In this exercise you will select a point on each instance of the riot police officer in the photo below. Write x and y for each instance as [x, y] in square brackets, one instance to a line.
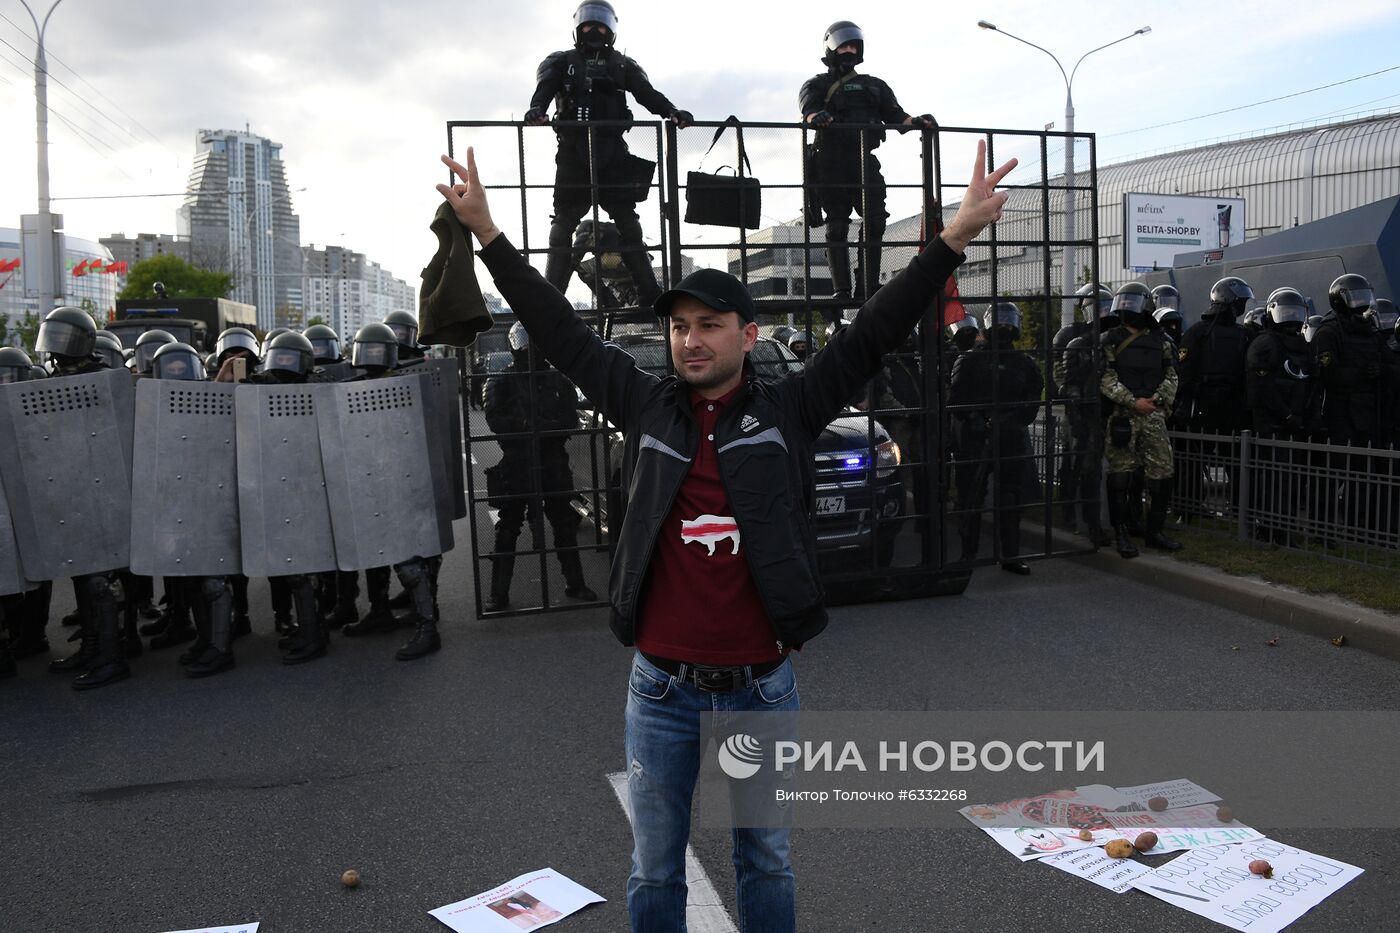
[1139, 382]
[1212, 358]
[1349, 363]
[405, 328]
[531, 396]
[604, 274]
[69, 337]
[849, 111]
[146, 346]
[208, 597]
[376, 352]
[110, 349]
[325, 343]
[268, 338]
[235, 343]
[1074, 368]
[591, 82]
[800, 343]
[1004, 384]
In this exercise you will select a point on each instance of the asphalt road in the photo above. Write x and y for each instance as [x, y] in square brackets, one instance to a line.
[166, 804]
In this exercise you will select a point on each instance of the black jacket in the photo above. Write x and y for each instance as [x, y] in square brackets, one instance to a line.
[860, 98]
[562, 78]
[764, 438]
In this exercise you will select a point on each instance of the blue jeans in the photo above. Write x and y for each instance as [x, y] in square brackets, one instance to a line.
[663, 758]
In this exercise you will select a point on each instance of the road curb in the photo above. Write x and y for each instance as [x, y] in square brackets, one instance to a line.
[1328, 617]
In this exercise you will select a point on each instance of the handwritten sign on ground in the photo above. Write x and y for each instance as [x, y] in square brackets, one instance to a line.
[236, 928]
[527, 902]
[1091, 864]
[1215, 882]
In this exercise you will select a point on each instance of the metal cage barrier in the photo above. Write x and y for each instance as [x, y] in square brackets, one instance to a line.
[897, 498]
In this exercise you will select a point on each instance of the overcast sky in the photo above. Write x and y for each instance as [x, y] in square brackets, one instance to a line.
[358, 93]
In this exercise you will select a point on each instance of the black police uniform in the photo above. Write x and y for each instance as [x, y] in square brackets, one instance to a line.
[1211, 367]
[1081, 472]
[983, 377]
[587, 85]
[1348, 353]
[847, 171]
[1285, 399]
[522, 399]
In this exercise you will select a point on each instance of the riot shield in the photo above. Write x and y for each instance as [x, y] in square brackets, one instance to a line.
[283, 510]
[66, 465]
[11, 571]
[387, 478]
[446, 387]
[184, 489]
[332, 372]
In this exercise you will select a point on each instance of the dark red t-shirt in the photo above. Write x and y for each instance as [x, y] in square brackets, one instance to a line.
[701, 605]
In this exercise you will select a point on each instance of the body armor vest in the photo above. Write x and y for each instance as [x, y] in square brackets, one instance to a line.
[1141, 365]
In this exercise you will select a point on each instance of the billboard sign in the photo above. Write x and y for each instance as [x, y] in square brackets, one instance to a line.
[1157, 227]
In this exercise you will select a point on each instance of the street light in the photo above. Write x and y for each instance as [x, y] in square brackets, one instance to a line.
[41, 118]
[1067, 308]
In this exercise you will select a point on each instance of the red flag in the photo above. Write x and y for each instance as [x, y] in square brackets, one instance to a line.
[953, 310]
[80, 269]
[9, 265]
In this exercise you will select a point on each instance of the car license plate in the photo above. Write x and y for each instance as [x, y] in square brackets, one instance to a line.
[831, 505]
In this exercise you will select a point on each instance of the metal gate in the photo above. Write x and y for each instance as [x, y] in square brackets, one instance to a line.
[917, 483]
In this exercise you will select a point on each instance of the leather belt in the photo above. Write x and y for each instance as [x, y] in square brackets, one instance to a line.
[714, 679]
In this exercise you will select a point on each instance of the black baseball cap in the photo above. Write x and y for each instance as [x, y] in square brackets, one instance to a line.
[713, 288]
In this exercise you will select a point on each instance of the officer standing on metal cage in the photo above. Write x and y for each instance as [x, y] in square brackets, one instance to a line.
[847, 173]
[591, 82]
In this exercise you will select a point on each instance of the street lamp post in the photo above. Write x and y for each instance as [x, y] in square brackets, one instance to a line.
[46, 257]
[1070, 260]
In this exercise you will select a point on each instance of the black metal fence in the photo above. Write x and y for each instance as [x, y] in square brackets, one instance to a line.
[907, 478]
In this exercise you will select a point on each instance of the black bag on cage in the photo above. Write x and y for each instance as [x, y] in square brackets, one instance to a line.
[635, 174]
[724, 200]
[811, 203]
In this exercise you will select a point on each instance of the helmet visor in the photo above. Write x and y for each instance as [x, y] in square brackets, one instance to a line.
[1003, 316]
[230, 342]
[1288, 312]
[599, 13]
[1240, 290]
[113, 357]
[1129, 303]
[9, 374]
[145, 355]
[327, 349]
[287, 360]
[1169, 302]
[60, 338]
[1106, 307]
[373, 354]
[406, 334]
[842, 35]
[1358, 297]
[183, 366]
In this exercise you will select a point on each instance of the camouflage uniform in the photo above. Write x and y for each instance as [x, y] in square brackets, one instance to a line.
[1148, 446]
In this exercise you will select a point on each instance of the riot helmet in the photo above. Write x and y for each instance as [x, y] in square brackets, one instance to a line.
[1310, 326]
[15, 366]
[67, 332]
[964, 333]
[1132, 304]
[1350, 294]
[269, 337]
[1170, 321]
[325, 343]
[1089, 296]
[519, 337]
[405, 326]
[1383, 315]
[110, 349]
[597, 13]
[376, 348]
[1254, 318]
[1166, 297]
[147, 345]
[289, 353]
[1230, 295]
[38, 372]
[800, 343]
[236, 339]
[783, 333]
[1287, 310]
[178, 361]
[1002, 319]
[843, 32]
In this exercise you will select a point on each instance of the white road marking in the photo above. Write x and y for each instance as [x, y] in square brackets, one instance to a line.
[704, 911]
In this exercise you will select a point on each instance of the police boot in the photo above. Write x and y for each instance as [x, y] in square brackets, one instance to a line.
[217, 656]
[1135, 492]
[1118, 485]
[84, 657]
[242, 624]
[559, 264]
[178, 629]
[380, 617]
[109, 666]
[1010, 521]
[1161, 490]
[502, 568]
[312, 636]
[401, 600]
[131, 638]
[572, 567]
[202, 623]
[414, 577]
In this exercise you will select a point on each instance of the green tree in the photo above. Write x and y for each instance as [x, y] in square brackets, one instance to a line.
[28, 330]
[315, 319]
[4, 330]
[181, 279]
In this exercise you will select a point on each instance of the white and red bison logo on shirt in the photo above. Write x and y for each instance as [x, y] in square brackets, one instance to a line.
[710, 530]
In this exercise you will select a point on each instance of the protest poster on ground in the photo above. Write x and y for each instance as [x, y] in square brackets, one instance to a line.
[1093, 864]
[1215, 882]
[527, 902]
[236, 928]
[1178, 793]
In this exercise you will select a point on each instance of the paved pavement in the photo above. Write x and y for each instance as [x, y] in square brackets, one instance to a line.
[164, 804]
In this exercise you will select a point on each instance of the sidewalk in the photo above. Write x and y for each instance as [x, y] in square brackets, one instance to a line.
[1325, 617]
